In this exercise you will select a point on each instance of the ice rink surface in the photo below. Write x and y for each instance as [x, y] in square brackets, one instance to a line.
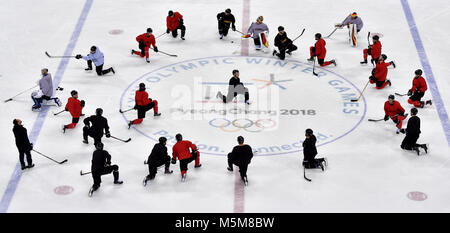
[367, 171]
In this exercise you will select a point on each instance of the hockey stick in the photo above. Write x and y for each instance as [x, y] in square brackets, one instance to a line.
[20, 93]
[240, 32]
[400, 94]
[376, 120]
[368, 36]
[129, 139]
[54, 114]
[304, 174]
[65, 160]
[82, 174]
[298, 36]
[172, 55]
[314, 67]
[160, 35]
[48, 55]
[356, 100]
[331, 33]
[120, 110]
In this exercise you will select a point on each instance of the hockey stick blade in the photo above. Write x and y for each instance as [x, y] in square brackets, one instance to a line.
[48, 55]
[304, 174]
[354, 100]
[375, 120]
[400, 94]
[8, 100]
[65, 160]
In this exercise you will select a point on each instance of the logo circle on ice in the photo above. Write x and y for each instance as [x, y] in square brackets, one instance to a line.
[285, 100]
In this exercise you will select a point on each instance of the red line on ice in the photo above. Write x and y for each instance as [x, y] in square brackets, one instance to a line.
[245, 25]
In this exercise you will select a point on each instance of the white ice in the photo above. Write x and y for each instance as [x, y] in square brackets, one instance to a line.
[367, 172]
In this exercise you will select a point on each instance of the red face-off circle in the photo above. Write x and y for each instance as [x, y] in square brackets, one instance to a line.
[63, 190]
[417, 196]
[116, 31]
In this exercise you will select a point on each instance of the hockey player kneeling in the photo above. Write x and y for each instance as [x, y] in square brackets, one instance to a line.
[181, 152]
[101, 165]
[240, 156]
[310, 152]
[157, 158]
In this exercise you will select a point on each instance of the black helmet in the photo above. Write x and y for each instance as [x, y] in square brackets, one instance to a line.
[391, 97]
[240, 139]
[376, 37]
[170, 13]
[280, 28]
[414, 111]
[149, 30]
[142, 86]
[309, 131]
[72, 93]
[15, 122]
[162, 139]
[93, 48]
[235, 71]
[98, 111]
[178, 137]
[418, 72]
[228, 11]
[384, 57]
[99, 146]
[318, 35]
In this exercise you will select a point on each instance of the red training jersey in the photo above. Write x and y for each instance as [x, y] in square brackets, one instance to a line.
[74, 107]
[141, 98]
[181, 150]
[375, 51]
[393, 109]
[321, 51]
[419, 83]
[173, 22]
[148, 40]
[381, 71]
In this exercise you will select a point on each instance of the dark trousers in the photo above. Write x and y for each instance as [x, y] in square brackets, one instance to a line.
[38, 101]
[224, 28]
[182, 28]
[410, 142]
[153, 167]
[233, 92]
[257, 41]
[284, 50]
[22, 154]
[97, 175]
[87, 132]
[242, 167]
[184, 162]
[143, 109]
[417, 96]
[99, 69]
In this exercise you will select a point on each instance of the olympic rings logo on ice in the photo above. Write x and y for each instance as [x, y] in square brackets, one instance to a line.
[242, 123]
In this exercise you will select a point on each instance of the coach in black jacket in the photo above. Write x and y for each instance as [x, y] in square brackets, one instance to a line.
[23, 144]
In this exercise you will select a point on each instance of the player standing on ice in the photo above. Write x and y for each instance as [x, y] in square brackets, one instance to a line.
[99, 124]
[143, 104]
[157, 158]
[396, 112]
[310, 152]
[23, 144]
[75, 107]
[235, 87]
[379, 73]
[181, 152]
[97, 57]
[319, 51]
[225, 19]
[45, 91]
[241, 156]
[145, 40]
[101, 165]
[374, 50]
[175, 22]
[419, 86]
[259, 32]
[283, 43]
[412, 134]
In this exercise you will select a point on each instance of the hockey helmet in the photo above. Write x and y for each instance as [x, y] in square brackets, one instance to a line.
[44, 71]
[376, 37]
[280, 28]
[309, 131]
[72, 93]
[240, 139]
[418, 72]
[98, 111]
[384, 57]
[179, 137]
[318, 35]
[260, 18]
[170, 13]
[228, 11]
[414, 111]
[392, 97]
[149, 30]
[99, 146]
[235, 71]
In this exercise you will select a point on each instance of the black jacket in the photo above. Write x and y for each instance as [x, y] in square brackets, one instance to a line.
[309, 148]
[227, 19]
[159, 154]
[99, 123]
[413, 127]
[22, 142]
[100, 159]
[242, 155]
[282, 41]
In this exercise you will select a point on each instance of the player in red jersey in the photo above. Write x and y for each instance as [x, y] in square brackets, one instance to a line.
[75, 107]
[319, 51]
[181, 152]
[143, 104]
[145, 40]
[419, 86]
[393, 110]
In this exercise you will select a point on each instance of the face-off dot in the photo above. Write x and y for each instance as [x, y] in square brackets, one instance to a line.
[63, 190]
[116, 31]
[417, 196]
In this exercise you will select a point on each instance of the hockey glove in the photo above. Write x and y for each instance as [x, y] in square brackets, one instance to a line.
[233, 28]
[108, 135]
[82, 103]
[409, 93]
[246, 36]
[65, 109]
[181, 21]
[135, 106]
[392, 63]
[174, 161]
[78, 56]
[386, 118]
[155, 49]
[31, 146]
[168, 31]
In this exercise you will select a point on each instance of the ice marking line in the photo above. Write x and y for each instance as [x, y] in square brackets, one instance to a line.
[245, 25]
[40, 119]
[440, 107]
